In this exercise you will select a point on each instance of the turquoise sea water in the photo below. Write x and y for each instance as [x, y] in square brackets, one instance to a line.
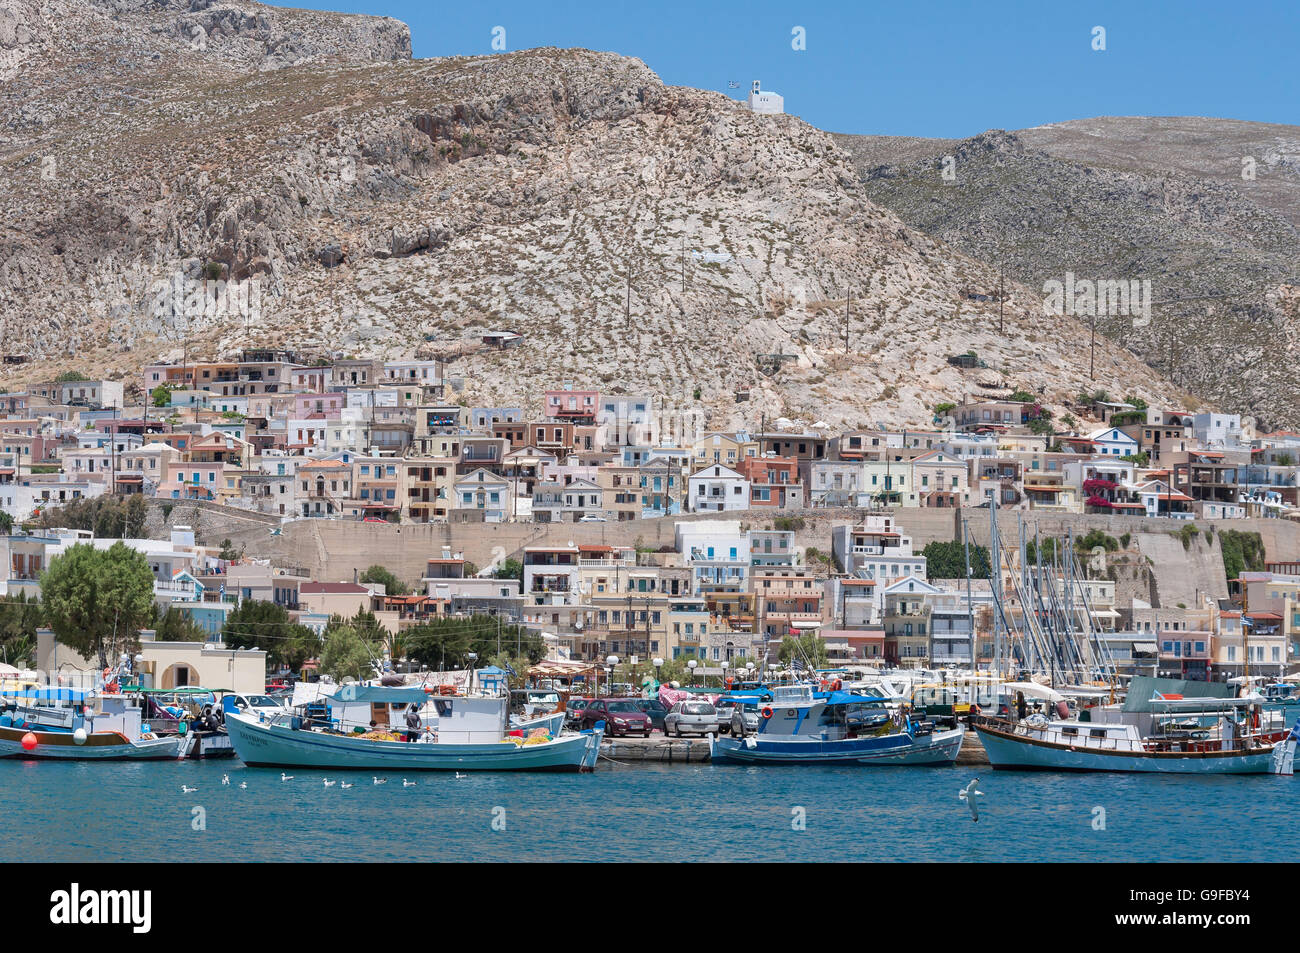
[137, 812]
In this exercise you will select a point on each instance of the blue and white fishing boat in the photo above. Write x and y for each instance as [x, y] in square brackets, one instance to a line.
[798, 725]
[57, 724]
[466, 733]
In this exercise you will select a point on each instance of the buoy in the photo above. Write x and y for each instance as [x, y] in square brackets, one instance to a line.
[79, 736]
[29, 742]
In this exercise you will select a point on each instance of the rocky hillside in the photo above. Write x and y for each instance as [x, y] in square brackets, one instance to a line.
[641, 237]
[1117, 199]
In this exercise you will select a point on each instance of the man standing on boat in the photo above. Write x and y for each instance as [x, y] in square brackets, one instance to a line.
[412, 723]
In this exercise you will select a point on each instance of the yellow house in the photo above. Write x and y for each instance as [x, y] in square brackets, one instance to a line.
[725, 448]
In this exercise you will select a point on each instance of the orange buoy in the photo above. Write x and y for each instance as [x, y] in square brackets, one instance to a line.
[29, 742]
[767, 712]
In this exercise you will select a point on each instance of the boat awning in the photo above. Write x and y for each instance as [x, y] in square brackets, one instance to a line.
[1033, 690]
[806, 625]
[1149, 648]
[392, 695]
[50, 694]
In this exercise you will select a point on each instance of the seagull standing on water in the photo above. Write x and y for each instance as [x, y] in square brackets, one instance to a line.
[381, 780]
[344, 784]
[186, 789]
[225, 779]
[285, 777]
[243, 785]
[968, 794]
[408, 784]
[329, 783]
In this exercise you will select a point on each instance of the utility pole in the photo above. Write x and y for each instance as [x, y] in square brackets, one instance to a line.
[627, 306]
[848, 308]
[999, 298]
[1092, 348]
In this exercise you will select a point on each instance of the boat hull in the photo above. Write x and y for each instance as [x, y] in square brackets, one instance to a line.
[939, 748]
[1014, 752]
[98, 746]
[264, 745]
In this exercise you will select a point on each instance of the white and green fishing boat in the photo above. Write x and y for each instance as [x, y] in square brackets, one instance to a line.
[456, 733]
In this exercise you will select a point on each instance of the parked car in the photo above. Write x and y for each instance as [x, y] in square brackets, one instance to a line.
[656, 709]
[744, 719]
[620, 715]
[695, 717]
[573, 711]
[592, 518]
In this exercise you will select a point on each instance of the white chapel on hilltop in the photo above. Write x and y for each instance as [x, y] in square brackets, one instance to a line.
[765, 102]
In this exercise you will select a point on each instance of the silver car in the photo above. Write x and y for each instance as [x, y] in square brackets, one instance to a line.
[696, 717]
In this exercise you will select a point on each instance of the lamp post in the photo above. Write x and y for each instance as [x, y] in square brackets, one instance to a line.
[749, 671]
[610, 662]
[691, 665]
[658, 663]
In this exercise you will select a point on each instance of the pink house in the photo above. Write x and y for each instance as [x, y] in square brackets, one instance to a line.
[305, 405]
[580, 406]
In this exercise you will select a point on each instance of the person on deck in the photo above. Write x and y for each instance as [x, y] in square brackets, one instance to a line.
[412, 723]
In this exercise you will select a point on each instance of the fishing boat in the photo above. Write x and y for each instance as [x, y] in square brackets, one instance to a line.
[471, 733]
[194, 714]
[1176, 736]
[798, 725]
[56, 724]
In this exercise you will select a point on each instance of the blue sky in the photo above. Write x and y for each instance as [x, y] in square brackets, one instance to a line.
[904, 67]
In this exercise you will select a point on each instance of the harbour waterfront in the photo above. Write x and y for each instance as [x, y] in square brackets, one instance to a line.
[137, 812]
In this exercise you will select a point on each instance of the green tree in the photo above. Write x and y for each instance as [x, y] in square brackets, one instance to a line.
[807, 649]
[20, 617]
[447, 642]
[381, 574]
[96, 600]
[161, 396]
[345, 653]
[70, 376]
[105, 516]
[510, 569]
[256, 623]
[175, 625]
[6, 523]
[947, 560]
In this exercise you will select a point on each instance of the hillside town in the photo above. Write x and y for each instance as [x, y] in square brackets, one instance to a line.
[389, 443]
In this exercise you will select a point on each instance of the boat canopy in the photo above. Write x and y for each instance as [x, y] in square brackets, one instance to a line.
[50, 694]
[744, 698]
[850, 698]
[1033, 690]
[381, 693]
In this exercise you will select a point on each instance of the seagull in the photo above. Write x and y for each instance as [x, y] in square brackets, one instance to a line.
[968, 794]
[225, 779]
[460, 777]
[381, 780]
[285, 777]
[408, 784]
[329, 783]
[344, 784]
[243, 785]
[185, 789]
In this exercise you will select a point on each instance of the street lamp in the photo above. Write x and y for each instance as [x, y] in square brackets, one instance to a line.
[610, 662]
[658, 663]
[691, 665]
